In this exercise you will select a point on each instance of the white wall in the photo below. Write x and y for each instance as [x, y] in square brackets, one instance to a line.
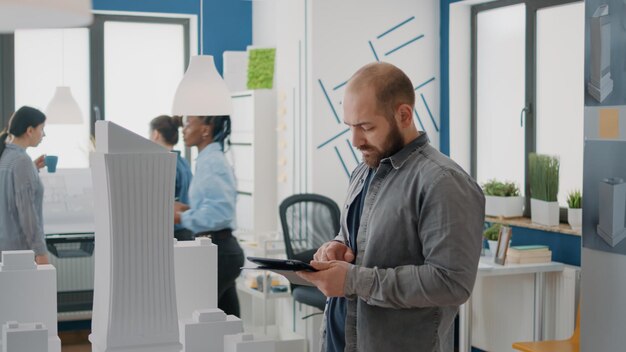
[264, 23]
[460, 69]
[320, 45]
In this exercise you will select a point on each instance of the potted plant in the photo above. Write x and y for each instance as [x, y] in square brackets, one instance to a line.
[544, 187]
[503, 199]
[574, 210]
[491, 235]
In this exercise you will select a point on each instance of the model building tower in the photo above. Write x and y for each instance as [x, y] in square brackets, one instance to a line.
[134, 305]
[600, 84]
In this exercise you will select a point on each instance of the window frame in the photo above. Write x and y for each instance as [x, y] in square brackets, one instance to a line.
[527, 114]
[96, 64]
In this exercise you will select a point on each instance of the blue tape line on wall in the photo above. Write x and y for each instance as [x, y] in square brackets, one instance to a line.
[396, 27]
[332, 107]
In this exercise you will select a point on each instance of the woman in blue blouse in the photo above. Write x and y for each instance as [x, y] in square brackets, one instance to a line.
[212, 197]
[164, 131]
[21, 190]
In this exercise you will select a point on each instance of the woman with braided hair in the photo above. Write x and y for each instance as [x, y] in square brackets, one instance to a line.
[212, 199]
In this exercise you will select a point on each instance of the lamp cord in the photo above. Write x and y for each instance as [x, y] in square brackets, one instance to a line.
[201, 28]
[62, 57]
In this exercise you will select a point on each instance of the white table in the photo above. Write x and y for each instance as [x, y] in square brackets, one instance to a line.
[486, 267]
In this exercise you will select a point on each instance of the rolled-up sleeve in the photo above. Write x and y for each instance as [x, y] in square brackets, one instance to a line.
[450, 226]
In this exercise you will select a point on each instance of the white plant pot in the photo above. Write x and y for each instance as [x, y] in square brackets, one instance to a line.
[575, 218]
[493, 246]
[544, 213]
[508, 207]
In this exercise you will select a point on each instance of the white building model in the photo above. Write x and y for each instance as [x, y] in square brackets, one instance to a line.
[28, 302]
[134, 305]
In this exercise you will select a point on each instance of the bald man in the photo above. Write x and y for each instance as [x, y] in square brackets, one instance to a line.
[407, 252]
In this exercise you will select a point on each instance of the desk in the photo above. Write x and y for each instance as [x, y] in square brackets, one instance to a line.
[486, 267]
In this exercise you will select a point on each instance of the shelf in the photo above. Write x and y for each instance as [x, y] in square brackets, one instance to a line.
[527, 223]
[258, 294]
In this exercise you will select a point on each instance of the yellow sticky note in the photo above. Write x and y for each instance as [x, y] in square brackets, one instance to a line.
[609, 124]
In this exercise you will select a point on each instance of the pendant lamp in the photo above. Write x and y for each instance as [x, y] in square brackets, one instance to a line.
[202, 91]
[63, 108]
[23, 14]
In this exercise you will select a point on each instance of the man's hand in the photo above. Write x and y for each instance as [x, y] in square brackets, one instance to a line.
[179, 208]
[334, 250]
[40, 162]
[331, 277]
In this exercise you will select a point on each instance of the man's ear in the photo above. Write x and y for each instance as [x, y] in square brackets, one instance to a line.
[405, 115]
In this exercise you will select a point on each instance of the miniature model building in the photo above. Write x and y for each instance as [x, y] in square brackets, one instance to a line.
[206, 330]
[28, 295]
[196, 284]
[612, 212]
[134, 290]
[248, 343]
[24, 337]
[600, 84]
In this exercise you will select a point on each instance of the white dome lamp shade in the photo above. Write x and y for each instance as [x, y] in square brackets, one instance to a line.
[63, 109]
[202, 91]
[23, 14]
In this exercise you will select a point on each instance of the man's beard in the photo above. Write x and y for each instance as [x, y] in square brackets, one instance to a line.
[393, 144]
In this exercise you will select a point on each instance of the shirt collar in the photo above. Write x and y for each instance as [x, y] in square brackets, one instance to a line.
[399, 158]
[15, 146]
[210, 149]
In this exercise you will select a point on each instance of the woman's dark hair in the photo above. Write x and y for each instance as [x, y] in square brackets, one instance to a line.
[221, 128]
[20, 121]
[168, 127]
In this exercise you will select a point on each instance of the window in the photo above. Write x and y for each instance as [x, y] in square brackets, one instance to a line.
[66, 63]
[122, 68]
[527, 95]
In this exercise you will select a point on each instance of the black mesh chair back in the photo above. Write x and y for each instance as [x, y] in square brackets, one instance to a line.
[308, 221]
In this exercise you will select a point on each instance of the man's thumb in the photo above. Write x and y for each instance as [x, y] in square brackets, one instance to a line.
[348, 256]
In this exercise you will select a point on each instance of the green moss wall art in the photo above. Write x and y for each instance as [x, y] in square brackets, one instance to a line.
[261, 68]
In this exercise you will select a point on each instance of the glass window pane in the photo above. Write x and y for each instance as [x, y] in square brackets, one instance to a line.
[500, 94]
[144, 63]
[45, 59]
[560, 93]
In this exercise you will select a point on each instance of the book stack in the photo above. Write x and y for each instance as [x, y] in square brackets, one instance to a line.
[528, 254]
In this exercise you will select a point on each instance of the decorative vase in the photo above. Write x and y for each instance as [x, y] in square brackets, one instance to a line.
[493, 246]
[544, 213]
[575, 218]
[507, 207]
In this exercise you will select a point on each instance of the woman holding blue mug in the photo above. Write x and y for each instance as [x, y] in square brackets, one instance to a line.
[212, 197]
[21, 190]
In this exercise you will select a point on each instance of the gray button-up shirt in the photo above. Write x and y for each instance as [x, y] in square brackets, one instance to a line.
[419, 243]
[21, 198]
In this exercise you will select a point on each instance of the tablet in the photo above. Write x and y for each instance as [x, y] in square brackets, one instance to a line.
[281, 264]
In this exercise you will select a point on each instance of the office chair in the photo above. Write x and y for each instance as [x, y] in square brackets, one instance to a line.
[570, 345]
[308, 221]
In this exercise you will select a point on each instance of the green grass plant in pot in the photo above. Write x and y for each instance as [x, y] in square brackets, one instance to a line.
[491, 235]
[502, 199]
[575, 209]
[544, 188]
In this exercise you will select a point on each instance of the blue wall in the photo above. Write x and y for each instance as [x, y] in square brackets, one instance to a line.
[227, 23]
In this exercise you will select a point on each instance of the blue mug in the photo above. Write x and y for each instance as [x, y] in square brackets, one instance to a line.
[51, 163]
